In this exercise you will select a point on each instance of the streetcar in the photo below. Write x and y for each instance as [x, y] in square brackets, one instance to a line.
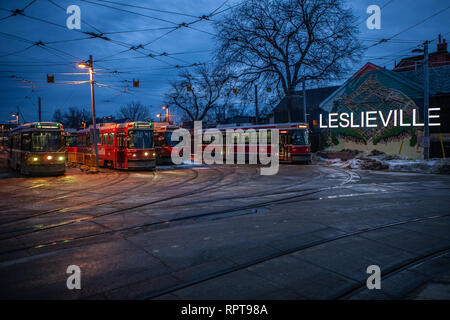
[37, 149]
[70, 140]
[127, 145]
[294, 145]
[163, 141]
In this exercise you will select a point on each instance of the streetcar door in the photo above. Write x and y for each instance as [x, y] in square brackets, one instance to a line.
[120, 154]
[284, 149]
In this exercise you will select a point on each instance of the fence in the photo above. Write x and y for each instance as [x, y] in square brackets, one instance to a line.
[86, 159]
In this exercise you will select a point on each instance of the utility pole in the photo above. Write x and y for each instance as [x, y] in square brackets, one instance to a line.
[426, 102]
[39, 109]
[304, 102]
[90, 64]
[91, 78]
[256, 104]
[17, 118]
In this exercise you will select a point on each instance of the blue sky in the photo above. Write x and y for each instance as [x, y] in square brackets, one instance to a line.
[23, 67]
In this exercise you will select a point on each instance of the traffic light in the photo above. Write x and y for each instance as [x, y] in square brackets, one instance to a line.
[51, 79]
[135, 83]
[235, 91]
[188, 88]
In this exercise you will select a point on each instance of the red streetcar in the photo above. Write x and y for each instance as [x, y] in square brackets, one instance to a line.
[70, 140]
[120, 146]
[163, 141]
[294, 145]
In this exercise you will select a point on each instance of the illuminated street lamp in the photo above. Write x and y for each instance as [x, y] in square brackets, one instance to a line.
[90, 64]
[17, 117]
[159, 116]
[167, 119]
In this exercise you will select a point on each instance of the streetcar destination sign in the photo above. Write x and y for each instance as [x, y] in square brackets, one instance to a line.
[372, 119]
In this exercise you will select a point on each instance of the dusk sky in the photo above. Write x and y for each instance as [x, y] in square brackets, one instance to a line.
[24, 66]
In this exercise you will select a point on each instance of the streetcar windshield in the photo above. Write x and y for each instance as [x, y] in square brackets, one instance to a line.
[46, 141]
[299, 137]
[141, 139]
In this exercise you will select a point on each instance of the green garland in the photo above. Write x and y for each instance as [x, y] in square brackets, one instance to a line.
[395, 131]
[349, 132]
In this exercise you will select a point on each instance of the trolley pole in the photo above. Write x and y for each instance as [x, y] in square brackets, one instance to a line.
[91, 78]
[426, 103]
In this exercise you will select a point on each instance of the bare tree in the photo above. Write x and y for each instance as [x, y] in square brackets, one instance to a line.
[134, 111]
[73, 117]
[285, 42]
[58, 116]
[199, 92]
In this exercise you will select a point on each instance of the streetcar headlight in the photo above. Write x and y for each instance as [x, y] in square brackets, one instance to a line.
[49, 157]
[154, 154]
[35, 159]
[134, 154]
[146, 153]
[61, 158]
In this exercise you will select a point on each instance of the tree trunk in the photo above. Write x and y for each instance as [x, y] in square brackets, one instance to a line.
[290, 103]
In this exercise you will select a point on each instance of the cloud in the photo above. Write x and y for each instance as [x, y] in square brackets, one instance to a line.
[31, 63]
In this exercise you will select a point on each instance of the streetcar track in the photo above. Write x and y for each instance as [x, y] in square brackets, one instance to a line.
[33, 229]
[91, 218]
[74, 192]
[65, 209]
[261, 194]
[386, 273]
[282, 253]
[161, 222]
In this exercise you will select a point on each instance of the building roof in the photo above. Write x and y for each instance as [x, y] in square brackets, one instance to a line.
[313, 98]
[439, 58]
[395, 79]
[439, 78]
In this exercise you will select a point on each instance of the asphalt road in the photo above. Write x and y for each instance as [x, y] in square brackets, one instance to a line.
[225, 232]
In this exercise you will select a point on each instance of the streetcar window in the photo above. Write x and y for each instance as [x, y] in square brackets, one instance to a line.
[15, 141]
[26, 142]
[71, 141]
[111, 139]
[253, 138]
[140, 139]
[244, 138]
[46, 141]
[268, 136]
[168, 138]
[105, 139]
[235, 137]
[299, 137]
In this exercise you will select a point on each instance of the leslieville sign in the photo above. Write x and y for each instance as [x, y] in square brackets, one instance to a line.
[370, 119]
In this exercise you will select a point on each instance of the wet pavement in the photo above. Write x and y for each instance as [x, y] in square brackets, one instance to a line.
[225, 232]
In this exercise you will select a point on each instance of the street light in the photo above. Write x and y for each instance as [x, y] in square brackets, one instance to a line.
[159, 116]
[90, 64]
[17, 117]
[426, 99]
[167, 119]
